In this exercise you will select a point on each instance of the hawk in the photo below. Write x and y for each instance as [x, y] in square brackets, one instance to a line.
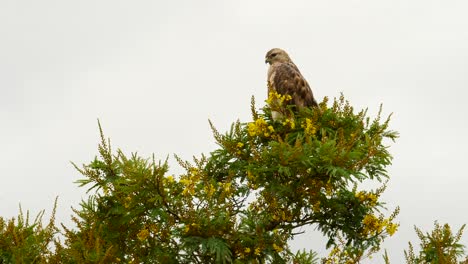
[285, 78]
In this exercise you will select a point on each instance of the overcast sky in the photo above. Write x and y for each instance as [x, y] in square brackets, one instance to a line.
[154, 72]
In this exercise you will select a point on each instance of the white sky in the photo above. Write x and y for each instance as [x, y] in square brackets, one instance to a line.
[155, 71]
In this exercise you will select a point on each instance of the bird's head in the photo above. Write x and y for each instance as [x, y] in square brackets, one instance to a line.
[277, 55]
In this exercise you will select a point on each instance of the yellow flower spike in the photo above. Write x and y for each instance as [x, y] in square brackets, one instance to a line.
[309, 128]
[277, 248]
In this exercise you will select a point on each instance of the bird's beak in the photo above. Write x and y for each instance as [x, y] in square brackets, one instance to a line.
[267, 61]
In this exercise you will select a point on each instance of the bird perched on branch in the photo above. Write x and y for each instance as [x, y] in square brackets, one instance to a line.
[285, 79]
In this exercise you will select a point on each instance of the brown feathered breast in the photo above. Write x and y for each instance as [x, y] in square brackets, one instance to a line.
[285, 78]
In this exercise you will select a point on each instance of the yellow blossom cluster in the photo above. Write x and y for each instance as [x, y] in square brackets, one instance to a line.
[259, 128]
[289, 122]
[391, 228]
[239, 147]
[169, 179]
[209, 189]
[309, 127]
[367, 197]
[275, 98]
[374, 225]
[248, 251]
[257, 251]
[227, 187]
[189, 181]
[277, 248]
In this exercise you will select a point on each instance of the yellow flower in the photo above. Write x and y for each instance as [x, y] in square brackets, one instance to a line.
[392, 228]
[188, 190]
[239, 148]
[274, 97]
[143, 234]
[257, 128]
[185, 181]
[309, 128]
[247, 250]
[371, 198]
[227, 186]
[277, 248]
[170, 179]
[193, 171]
[209, 189]
[289, 122]
[369, 220]
[257, 251]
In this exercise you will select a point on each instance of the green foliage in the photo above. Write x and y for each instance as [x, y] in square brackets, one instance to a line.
[439, 246]
[25, 242]
[303, 257]
[246, 200]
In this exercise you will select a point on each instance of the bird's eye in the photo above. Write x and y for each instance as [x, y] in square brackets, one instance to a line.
[273, 55]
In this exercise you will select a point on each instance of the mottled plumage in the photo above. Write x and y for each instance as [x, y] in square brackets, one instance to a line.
[285, 78]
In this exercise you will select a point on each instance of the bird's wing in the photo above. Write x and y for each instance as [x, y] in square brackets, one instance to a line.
[288, 80]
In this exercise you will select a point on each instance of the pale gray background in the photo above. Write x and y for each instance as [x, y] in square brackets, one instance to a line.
[155, 71]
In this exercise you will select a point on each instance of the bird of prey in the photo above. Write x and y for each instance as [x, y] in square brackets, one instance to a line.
[285, 78]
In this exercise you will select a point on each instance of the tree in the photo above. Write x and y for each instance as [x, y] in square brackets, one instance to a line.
[244, 201]
[24, 242]
[439, 246]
